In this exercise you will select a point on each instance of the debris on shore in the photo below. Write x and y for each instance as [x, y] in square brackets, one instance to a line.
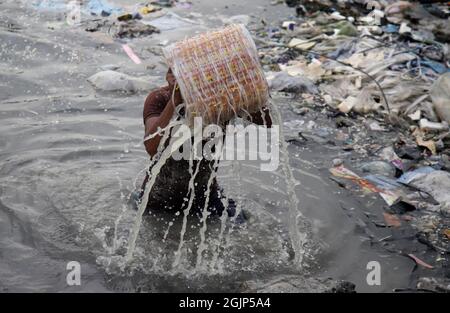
[380, 70]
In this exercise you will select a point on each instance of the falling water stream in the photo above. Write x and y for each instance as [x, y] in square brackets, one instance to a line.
[155, 169]
[298, 237]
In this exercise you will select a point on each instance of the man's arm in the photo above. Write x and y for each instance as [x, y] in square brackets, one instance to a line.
[262, 117]
[152, 124]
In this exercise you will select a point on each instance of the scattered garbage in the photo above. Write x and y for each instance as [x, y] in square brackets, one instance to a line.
[170, 21]
[420, 262]
[440, 95]
[301, 44]
[133, 29]
[388, 195]
[289, 25]
[297, 284]
[425, 124]
[102, 8]
[116, 81]
[90, 7]
[131, 54]
[433, 284]
[437, 184]
[282, 81]
[379, 167]
[237, 19]
[388, 154]
[149, 9]
[391, 220]
[407, 177]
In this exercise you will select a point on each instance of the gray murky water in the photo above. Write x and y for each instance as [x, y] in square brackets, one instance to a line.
[70, 156]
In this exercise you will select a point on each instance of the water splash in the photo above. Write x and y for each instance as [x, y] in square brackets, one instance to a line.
[155, 169]
[297, 226]
[187, 210]
[299, 239]
[205, 214]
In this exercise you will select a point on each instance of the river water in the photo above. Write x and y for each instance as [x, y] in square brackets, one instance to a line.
[70, 157]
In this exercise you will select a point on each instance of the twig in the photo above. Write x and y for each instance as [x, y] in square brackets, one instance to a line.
[355, 68]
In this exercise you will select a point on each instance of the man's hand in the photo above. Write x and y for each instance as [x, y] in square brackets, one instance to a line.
[176, 93]
[177, 98]
[262, 117]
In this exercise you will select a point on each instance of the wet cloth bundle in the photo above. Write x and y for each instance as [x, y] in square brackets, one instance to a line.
[219, 74]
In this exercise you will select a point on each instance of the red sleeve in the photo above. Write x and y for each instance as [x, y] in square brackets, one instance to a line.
[154, 104]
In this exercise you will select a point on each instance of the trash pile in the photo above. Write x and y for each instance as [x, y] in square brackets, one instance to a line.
[127, 21]
[378, 67]
[114, 24]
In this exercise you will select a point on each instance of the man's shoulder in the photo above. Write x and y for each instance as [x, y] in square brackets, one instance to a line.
[159, 92]
[156, 101]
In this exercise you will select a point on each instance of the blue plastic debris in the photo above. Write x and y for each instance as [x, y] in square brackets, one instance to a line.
[383, 182]
[391, 28]
[408, 177]
[100, 7]
[96, 7]
[435, 66]
[54, 5]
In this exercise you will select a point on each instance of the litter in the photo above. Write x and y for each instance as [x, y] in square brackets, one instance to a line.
[282, 81]
[237, 19]
[389, 189]
[148, 9]
[388, 154]
[347, 105]
[446, 232]
[115, 81]
[415, 116]
[134, 29]
[378, 167]
[437, 184]
[391, 220]
[426, 125]
[289, 25]
[407, 177]
[313, 71]
[183, 4]
[387, 195]
[101, 7]
[301, 44]
[421, 142]
[420, 262]
[131, 54]
[440, 95]
[170, 21]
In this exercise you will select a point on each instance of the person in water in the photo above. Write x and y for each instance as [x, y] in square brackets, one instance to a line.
[171, 188]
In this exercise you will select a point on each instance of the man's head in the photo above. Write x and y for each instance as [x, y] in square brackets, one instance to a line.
[170, 77]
